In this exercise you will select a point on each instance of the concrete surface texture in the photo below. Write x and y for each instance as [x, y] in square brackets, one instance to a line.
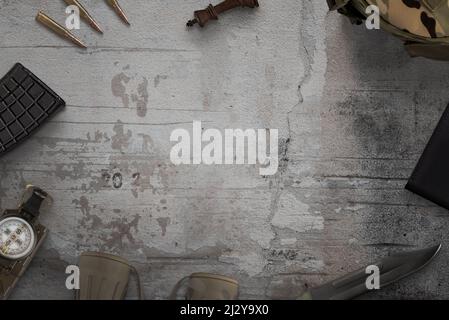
[354, 113]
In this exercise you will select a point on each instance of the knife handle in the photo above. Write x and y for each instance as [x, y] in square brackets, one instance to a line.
[202, 17]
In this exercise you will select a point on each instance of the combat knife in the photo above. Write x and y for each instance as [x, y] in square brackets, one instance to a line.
[391, 269]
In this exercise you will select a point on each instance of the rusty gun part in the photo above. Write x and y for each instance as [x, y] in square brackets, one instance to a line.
[202, 17]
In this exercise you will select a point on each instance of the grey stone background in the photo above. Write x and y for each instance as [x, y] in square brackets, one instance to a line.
[354, 114]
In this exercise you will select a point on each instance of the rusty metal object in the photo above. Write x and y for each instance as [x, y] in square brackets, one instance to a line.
[114, 4]
[85, 14]
[202, 17]
[58, 29]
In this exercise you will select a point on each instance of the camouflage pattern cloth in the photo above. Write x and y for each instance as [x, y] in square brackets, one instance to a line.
[424, 18]
[423, 25]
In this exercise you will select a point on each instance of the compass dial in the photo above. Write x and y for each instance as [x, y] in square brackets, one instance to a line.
[17, 238]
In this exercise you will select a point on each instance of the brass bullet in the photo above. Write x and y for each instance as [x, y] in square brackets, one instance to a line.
[114, 4]
[85, 14]
[58, 29]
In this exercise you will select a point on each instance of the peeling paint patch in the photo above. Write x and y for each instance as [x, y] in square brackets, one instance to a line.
[118, 86]
[250, 262]
[117, 180]
[120, 140]
[295, 215]
[289, 241]
[142, 143]
[163, 223]
[132, 90]
[120, 230]
[114, 235]
[158, 78]
[141, 98]
[311, 265]
[77, 170]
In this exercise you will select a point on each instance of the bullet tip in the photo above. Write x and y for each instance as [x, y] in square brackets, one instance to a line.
[96, 26]
[99, 30]
[125, 18]
[79, 43]
[120, 12]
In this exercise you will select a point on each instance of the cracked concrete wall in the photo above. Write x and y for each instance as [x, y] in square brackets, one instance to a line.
[354, 114]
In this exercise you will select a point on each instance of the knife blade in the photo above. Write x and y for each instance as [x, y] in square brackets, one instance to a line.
[392, 269]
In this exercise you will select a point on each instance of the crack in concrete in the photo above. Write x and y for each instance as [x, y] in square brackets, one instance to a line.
[308, 61]
[306, 50]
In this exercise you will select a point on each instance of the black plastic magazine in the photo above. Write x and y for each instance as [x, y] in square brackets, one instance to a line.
[431, 176]
[25, 103]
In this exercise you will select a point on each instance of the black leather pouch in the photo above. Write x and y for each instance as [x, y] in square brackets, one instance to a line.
[430, 178]
[25, 103]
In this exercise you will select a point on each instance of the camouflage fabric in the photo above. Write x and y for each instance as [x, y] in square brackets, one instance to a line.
[424, 18]
[423, 25]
